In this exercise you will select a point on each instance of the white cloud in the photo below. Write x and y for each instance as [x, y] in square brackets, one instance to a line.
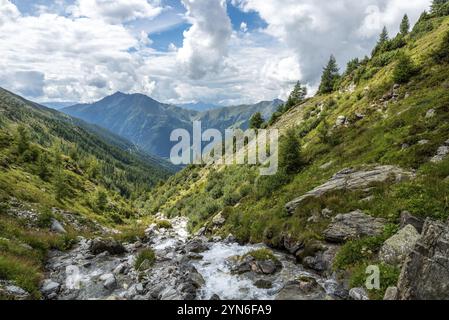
[244, 27]
[8, 11]
[116, 11]
[315, 29]
[205, 44]
[85, 56]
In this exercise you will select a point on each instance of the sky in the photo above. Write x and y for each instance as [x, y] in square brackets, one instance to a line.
[225, 52]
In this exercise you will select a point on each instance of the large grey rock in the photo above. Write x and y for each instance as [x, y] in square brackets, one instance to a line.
[49, 287]
[109, 281]
[425, 274]
[304, 288]
[218, 220]
[358, 294]
[391, 293]
[11, 291]
[112, 246]
[396, 249]
[353, 225]
[57, 227]
[196, 246]
[351, 180]
[442, 152]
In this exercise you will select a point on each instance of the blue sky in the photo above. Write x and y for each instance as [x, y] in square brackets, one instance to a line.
[223, 52]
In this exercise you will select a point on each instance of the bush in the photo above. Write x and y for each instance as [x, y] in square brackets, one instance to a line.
[262, 254]
[389, 277]
[45, 219]
[164, 224]
[441, 55]
[145, 258]
[404, 70]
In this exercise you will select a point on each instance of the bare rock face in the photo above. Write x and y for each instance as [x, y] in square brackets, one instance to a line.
[396, 249]
[352, 226]
[425, 274]
[442, 152]
[408, 219]
[352, 180]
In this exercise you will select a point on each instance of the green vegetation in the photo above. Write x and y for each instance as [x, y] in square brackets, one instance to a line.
[404, 69]
[164, 224]
[144, 259]
[256, 121]
[262, 255]
[389, 276]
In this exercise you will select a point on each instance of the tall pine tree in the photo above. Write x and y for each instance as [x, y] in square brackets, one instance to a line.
[330, 76]
[405, 25]
[298, 95]
[382, 42]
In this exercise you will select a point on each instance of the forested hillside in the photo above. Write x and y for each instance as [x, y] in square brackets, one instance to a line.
[55, 167]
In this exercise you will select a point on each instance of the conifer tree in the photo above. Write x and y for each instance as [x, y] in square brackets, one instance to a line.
[330, 76]
[256, 121]
[405, 25]
[290, 153]
[404, 69]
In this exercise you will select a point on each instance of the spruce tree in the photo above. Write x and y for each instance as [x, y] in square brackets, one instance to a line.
[330, 76]
[383, 36]
[298, 95]
[437, 5]
[23, 140]
[256, 121]
[290, 153]
[405, 25]
[404, 69]
[382, 42]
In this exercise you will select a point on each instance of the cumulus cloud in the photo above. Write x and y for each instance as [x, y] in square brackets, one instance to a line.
[8, 11]
[106, 46]
[205, 44]
[315, 29]
[116, 11]
[82, 59]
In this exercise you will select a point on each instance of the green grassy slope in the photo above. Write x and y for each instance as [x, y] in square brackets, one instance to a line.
[388, 133]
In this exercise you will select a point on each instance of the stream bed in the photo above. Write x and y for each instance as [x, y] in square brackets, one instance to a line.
[186, 268]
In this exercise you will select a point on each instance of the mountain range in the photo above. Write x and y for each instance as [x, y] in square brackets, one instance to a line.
[149, 123]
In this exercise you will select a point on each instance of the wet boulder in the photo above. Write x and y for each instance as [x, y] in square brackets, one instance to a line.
[303, 288]
[196, 246]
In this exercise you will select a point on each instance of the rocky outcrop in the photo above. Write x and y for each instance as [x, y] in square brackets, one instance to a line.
[391, 293]
[408, 219]
[396, 249]
[304, 288]
[358, 294]
[442, 152]
[10, 291]
[425, 274]
[353, 225]
[351, 179]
